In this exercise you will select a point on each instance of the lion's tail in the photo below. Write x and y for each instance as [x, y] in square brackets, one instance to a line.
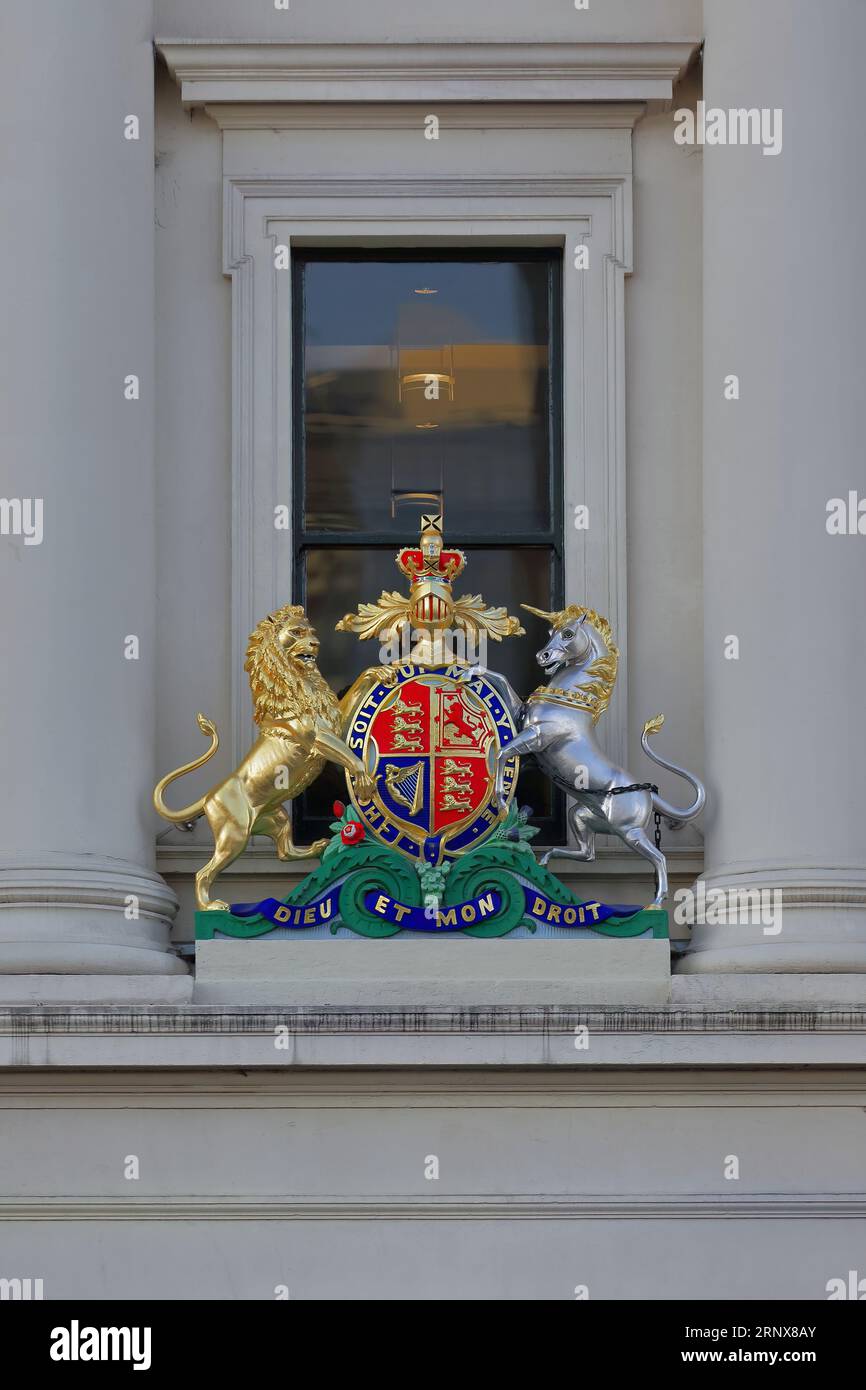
[188, 813]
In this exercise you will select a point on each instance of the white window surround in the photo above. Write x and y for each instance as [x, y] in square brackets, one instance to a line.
[255, 94]
[263, 213]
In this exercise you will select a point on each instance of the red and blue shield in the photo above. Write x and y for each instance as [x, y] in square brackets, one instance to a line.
[432, 741]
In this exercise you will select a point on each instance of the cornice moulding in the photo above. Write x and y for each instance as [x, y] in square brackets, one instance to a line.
[251, 1020]
[340, 116]
[210, 73]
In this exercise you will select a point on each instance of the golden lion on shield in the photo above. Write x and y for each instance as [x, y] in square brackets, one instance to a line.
[301, 725]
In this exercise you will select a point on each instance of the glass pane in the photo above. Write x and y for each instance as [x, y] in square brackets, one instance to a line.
[338, 579]
[431, 376]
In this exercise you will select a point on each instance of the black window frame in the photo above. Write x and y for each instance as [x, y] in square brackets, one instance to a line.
[306, 826]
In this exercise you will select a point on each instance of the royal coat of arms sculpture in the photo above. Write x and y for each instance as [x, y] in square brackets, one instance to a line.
[430, 741]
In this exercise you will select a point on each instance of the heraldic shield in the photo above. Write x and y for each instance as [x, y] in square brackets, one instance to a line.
[432, 743]
[432, 740]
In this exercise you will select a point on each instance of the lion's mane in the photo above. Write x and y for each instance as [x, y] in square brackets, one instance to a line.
[282, 687]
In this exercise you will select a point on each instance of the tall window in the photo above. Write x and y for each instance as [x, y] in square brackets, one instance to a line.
[426, 381]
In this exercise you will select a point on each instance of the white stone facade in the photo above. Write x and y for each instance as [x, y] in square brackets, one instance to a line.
[302, 1114]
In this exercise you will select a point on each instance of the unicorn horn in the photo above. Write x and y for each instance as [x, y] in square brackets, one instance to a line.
[549, 618]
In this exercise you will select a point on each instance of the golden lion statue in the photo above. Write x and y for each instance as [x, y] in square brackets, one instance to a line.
[301, 726]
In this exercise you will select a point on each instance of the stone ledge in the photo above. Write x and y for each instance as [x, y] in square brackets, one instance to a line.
[449, 972]
[273, 1039]
[98, 991]
[518, 1206]
[186, 857]
[815, 991]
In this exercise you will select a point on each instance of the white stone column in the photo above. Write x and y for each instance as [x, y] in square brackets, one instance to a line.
[83, 915]
[785, 310]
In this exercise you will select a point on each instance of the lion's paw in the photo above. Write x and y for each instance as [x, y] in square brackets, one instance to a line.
[365, 786]
[385, 675]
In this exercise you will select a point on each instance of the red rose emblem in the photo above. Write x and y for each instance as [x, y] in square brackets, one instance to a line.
[352, 833]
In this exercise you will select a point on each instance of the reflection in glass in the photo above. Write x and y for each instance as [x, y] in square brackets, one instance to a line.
[423, 375]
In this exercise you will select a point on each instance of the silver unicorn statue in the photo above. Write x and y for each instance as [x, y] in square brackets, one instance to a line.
[557, 726]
